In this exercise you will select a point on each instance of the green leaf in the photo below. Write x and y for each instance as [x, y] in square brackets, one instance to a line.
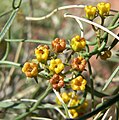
[110, 79]
[8, 24]
[20, 106]
[6, 104]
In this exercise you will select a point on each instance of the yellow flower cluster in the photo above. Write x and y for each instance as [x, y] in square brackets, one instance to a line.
[42, 52]
[102, 9]
[78, 43]
[66, 97]
[78, 83]
[72, 100]
[56, 65]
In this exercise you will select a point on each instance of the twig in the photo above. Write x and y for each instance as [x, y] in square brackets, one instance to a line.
[20, 117]
[54, 11]
[81, 27]
[63, 104]
[92, 23]
[40, 118]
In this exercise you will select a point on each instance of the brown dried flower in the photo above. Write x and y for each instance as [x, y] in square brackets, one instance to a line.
[57, 81]
[78, 63]
[58, 45]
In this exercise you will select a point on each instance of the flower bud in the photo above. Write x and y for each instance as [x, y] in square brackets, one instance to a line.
[103, 8]
[90, 12]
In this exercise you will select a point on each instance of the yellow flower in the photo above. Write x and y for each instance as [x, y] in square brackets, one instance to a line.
[90, 12]
[30, 69]
[74, 113]
[72, 95]
[42, 52]
[103, 8]
[74, 102]
[78, 43]
[78, 83]
[56, 65]
[65, 97]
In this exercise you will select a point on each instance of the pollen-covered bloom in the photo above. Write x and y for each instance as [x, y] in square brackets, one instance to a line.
[30, 69]
[78, 43]
[57, 81]
[78, 83]
[42, 52]
[58, 45]
[107, 54]
[90, 12]
[103, 8]
[56, 65]
[78, 63]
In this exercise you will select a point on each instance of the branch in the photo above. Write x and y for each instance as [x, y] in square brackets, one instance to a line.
[54, 11]
[92, 23]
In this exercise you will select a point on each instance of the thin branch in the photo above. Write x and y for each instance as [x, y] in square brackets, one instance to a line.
[92, 23]
[81, 27]
[54, 11]
[63, 104]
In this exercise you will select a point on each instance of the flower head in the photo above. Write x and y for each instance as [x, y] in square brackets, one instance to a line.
[66, 97]
[72, 100]
[90, 12]
[105, 55]
[58, 45]
[56, 65]
[30, 69]
[57, 81]
[78, 63]
[78, 43]
[42, 52]
[78, 83]
[103, 8]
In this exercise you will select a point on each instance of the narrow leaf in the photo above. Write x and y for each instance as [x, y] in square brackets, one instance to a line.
[8, 24]
[6, 104]
[110, 79]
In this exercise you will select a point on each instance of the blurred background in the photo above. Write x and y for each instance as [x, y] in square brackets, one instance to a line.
[14, 84]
